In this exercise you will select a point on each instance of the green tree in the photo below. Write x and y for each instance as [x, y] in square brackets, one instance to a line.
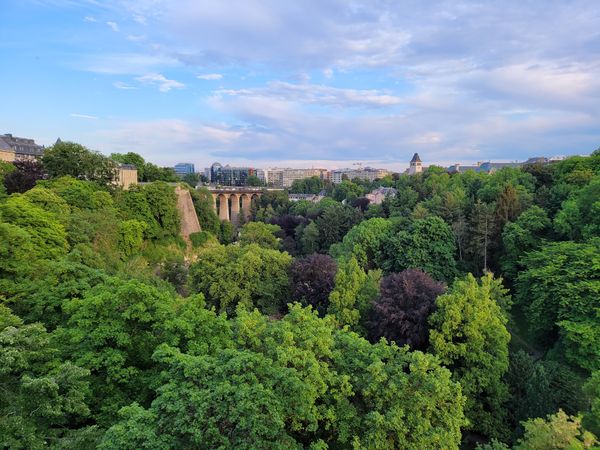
[427, 244]
[47, 234]
[484, 232]
[468, 333]
[134, 159]
[253, 180]
[114, 329]
[162, 201]
[522, 236]
[308, 238]
[312, 185]
[43, 399]
[75, 160]
[131, 237]
[347, 190]
[364, 241]
[591, 419]
[558, 431]
[262, 234]
[353, 294]
[296, 383]
[578, 218]
[249, 275]
[560, 283]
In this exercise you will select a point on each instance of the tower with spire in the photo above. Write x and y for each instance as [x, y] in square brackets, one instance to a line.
[415, 165]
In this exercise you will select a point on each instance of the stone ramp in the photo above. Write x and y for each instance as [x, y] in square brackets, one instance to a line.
[189, 219]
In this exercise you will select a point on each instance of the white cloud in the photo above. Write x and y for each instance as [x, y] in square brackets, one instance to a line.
[210, 76]
[316, 94]
[123, 85]
[163, 83]
[89, 19]
[83, 116]
[113, 26]
[127, 63]
[136, 37]
[328, 72]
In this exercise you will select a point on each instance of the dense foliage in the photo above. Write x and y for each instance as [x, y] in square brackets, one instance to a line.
[336, 324]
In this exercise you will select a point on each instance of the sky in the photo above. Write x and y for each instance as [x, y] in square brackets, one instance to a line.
[311, 83]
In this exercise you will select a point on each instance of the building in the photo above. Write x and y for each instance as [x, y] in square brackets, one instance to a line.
[284, 177]
[416, 166]
[230, 176]
[22, 148]
[126, 175]
[377, 196]
[367, 173]
[183, 169]
[491, 167]
[7, 154]
[314, 198]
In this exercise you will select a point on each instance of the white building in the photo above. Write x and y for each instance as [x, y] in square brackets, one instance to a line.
[284, 177]
[368, 173]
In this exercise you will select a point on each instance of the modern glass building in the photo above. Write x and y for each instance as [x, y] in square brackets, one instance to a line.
[183, 169]
[230, 176]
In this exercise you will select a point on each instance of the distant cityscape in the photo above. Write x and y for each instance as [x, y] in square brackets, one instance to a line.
[14, 148]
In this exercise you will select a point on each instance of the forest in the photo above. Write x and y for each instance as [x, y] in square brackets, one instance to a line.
[464, 312]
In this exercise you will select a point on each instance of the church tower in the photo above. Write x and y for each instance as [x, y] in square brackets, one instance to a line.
[415, 165]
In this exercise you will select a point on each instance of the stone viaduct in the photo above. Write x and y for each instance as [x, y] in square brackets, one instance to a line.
[228, 202]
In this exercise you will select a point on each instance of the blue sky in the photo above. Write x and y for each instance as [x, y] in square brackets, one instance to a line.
[311, 83]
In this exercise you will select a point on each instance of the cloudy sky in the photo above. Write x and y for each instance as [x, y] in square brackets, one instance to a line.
[304, 83]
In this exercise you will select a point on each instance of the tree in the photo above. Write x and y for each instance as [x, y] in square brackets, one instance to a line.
[75, 160]
[312, 185]
[47, 234]
[427, 244]
[591, 419]
[558, 431]
[364, 241]
[578, 218]
[162, 201]
[334, 222]
[24, 176]
[312, 280]
[538, 388]
[16, 250]
[347, 190]
[508, 206]
[39, 296]
[298, 383]
[308, 238]
[581, 340]
[522, 236]
[253, 180]
[259, 233]
[351, 299]
[468, 333]
[484, 231]
[402, 309]
[249, 275]
[560, 283]
[114, 330]
[134, 159]
[43, 399]
[192, 179]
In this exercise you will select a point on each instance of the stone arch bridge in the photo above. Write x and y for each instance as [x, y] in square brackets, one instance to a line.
[229, 202]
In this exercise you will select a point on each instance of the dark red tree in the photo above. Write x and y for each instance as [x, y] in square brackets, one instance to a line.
[313, 278]
[400, 313]
[24, 177]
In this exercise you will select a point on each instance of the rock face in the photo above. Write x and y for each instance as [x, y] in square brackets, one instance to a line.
[189, 219]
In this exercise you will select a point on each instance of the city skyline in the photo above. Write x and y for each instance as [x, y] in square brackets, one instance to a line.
[330, 84]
